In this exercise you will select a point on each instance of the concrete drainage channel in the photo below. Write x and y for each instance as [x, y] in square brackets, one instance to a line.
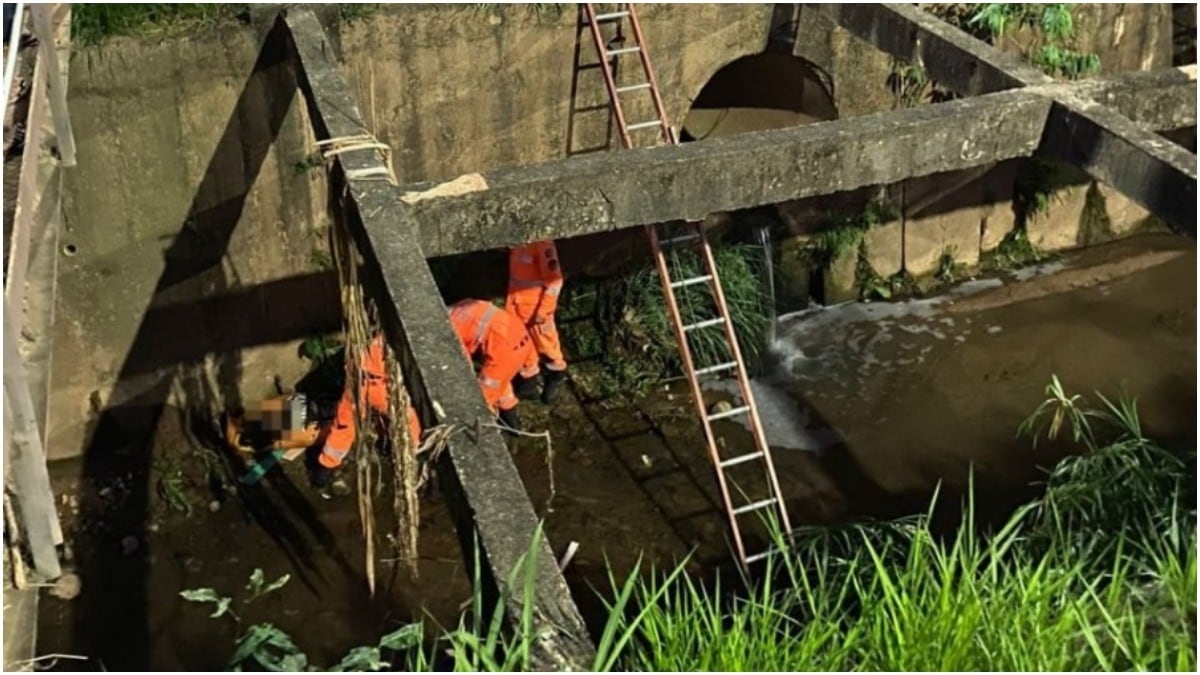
[488, 496]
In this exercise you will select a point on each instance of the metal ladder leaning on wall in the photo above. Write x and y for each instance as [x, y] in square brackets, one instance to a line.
[693, 234]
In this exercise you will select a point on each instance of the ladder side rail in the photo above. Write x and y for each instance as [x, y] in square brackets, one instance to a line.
[650, 77]
[694, 383]
[609, 80]
[756, 429]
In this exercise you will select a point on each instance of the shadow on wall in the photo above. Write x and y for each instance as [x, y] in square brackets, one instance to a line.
[166, 358]
[763, 91]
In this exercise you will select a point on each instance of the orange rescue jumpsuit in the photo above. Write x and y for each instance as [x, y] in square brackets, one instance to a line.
[342, 433]
[534, 282]
[503, 341]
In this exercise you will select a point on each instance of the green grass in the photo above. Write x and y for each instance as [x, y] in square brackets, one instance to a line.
[93, 23]
[630, 332]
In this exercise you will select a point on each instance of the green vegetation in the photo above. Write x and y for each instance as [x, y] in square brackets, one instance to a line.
[355, 11]
[1014, 251]
[949, 270]
[1051, 39]
[842, 236]
[92, 23]
[1099, 573]
[264, 646]
[1045, 34]
[633, 334]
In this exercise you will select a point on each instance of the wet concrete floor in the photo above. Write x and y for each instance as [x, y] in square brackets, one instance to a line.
[867, 406]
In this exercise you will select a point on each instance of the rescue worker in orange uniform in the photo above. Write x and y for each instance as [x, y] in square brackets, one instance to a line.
[534, 281]
[343, 432]
[505, 346]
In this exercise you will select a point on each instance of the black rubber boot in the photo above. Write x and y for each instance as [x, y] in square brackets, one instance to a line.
[525, 387]
[508, 418]
[553, 380]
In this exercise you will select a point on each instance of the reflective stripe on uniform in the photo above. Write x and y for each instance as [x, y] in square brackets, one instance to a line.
[335, 453]
[525, 259]
[489, 382]
[553, 288]
[483, 324]
[507, 403]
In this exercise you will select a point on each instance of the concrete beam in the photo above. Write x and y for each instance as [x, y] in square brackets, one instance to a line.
[955, 59]
[609, 191]
[1154, 172]
[1157, 100]
[491, 505]
[1102, 141]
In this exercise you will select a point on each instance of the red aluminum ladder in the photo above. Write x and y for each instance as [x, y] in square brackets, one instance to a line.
[693, 233]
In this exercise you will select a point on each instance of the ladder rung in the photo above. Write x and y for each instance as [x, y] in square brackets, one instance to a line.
[741, 460]
[703, 324]
[623, 50]
[694, 280]
[754, 507]
[612, 15]
[633, 87]
[675, 240]
[716, 369]
[728, 413]
[644, 125]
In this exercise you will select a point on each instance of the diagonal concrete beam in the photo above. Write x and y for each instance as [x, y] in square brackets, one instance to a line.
[1157, 100]
[616, 190]
[1154, 172]
[1100, 140]
[950, 56]
[486, 493]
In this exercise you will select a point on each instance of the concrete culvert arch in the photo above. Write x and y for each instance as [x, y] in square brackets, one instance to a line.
[757, 92]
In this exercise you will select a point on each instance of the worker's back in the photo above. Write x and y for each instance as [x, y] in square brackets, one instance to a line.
[482, 326]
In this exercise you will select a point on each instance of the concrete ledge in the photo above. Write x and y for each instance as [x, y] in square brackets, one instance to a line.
[625, 189]
[485, 489]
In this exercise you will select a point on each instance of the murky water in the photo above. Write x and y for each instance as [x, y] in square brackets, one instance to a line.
[867, 406]
[904, 394]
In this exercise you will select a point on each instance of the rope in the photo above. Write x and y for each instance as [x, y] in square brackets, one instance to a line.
[334, 147]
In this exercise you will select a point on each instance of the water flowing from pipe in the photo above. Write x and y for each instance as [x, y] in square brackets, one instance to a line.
[763, 236]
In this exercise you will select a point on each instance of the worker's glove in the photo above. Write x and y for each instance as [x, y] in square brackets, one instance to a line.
[509, 419]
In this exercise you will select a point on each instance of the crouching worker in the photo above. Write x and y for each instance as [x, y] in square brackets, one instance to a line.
[342, 431]
[502, 341]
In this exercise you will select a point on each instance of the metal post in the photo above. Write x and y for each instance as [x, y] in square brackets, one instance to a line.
[27, 478]
[44, 28]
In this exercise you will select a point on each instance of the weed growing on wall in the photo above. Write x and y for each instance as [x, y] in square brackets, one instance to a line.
[842, 236]
[93, 23]
[1051, 39]
[1014, 251]
[1049, 44]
